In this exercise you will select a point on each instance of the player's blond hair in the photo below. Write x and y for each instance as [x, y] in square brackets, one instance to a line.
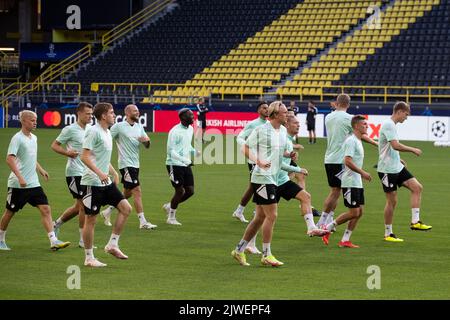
[274, 108]
[26, 114]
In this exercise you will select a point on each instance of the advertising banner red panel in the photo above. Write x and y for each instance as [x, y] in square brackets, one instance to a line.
[223, 122]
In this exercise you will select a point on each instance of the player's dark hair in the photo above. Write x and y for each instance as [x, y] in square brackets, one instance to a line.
[100, 109]
[401, 105]
[357, 119]
[260, 105]
[181, 112]
[83, 105]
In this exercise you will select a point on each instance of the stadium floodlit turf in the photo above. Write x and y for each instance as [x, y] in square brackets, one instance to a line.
[193, 261]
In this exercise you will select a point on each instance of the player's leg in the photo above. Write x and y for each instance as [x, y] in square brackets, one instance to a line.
[16, 199]
[173, 205]
[81, 221]
[124, 210]
[67, 215]
[416, 189]
[301, 179]
[239, 212]
[306, 211]
[188, 192]
[250, 232]
[46, 220]
[92, 202]
[356, 213]
[184, 189]
[389, 208]
[88, 240]
[329, 206]
[127, 178]
[314, 135]
[6, 219]
[136, 192]
[270, 212]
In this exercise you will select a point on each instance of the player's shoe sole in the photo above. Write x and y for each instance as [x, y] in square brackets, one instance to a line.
[59, 245]
[347, 244]
[392, 238]
[94, 263]
[239, 217]
[420, 226]
[4, 246]
[173, 222]
[240, 257]
[115, 251]
[148, 226]
[252, 250]
[271, 261]
[317, 232]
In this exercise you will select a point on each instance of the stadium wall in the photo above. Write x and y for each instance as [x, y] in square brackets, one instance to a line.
[417, 127]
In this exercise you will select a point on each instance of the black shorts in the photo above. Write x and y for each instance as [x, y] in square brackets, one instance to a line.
[180, 176]
[264, 193]
[390, 181]
[17, 198]
[74, 184]
[310, 126]
[334, 174]
[353, 197]
[202, 123]
[251, 166]
[96, 197]
[288, 191]
[130, 177]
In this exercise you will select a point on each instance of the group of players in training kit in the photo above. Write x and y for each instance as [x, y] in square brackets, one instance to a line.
[268, 143]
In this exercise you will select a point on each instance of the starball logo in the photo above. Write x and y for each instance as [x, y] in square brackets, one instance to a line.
[52, 118]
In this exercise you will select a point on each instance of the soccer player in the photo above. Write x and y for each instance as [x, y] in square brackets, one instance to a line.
[338, 126]
[129, 134]
[72, 137]
[393, 173]
[23, 182]
[178, 163]
[98, 189]
[352, 186]
[288, 189]
[265, 146]
[262, 110]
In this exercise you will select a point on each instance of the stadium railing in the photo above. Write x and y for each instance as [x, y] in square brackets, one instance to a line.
[134, 21]
[71, 63]
[363, 92]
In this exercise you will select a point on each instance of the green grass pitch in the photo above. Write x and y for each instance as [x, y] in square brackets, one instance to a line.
[193, 261]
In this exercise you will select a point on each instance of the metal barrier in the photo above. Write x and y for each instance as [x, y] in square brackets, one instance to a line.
[242, 90]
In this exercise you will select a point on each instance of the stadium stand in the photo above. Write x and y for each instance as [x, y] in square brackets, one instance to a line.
[288, 48]
[418, 56]
[273, 53]
[355, 49]
[191, 37]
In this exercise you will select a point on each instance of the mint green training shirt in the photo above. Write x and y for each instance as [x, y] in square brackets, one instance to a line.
[179, 147]
[24, 148]
[126, 137]
[99, 142]
[339, 126]
[72, 136]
